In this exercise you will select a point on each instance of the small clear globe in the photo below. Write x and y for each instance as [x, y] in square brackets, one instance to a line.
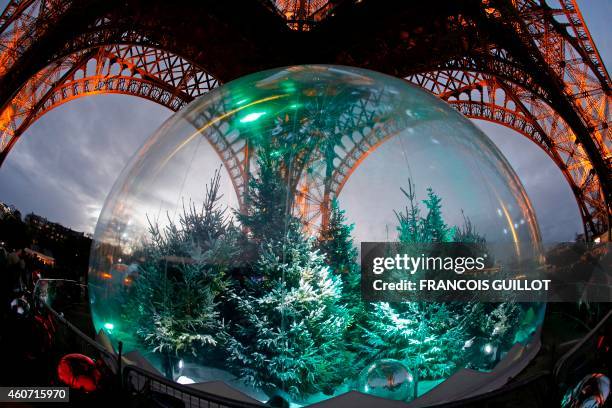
[228, 249]
[389, 379]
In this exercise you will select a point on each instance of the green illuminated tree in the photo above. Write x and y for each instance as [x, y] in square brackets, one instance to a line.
[337, 245]
[496, 322]
[411, 228]
[414, 228]
[434, 227]
[492, 323]
[429, 337]
[426, 336]
[268, 202]
[288, 333]
[175, 294]
[468, 234]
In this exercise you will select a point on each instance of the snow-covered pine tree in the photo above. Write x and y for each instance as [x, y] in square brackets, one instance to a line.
[490, 323]
[173, 301]
[288, 333]
[431, 338]
[424, 335]
[495, 323]
[336, 243]
[289, 337]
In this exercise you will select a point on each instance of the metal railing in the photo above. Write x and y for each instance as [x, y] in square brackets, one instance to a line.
[67, 336]
[150, 388]
[139, 381]
[75, 341]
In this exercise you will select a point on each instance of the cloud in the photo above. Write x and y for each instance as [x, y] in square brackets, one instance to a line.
[551, 196]
[66, 163]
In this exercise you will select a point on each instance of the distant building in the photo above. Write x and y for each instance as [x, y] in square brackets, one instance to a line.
[58, 247]
[52, 231]
[51, 244]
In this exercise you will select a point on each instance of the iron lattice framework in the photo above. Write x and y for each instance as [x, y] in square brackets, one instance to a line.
[524, 64]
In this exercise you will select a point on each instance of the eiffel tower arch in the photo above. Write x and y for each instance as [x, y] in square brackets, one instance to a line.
[524, 64]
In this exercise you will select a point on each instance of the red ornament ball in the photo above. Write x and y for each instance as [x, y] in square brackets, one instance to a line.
[78, 372]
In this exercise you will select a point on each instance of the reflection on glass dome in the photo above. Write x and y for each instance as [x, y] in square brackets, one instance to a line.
[228, 248]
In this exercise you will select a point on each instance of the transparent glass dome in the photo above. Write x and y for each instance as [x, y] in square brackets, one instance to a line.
[228, 248]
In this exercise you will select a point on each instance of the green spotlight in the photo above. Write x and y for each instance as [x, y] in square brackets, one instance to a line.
[252, 117]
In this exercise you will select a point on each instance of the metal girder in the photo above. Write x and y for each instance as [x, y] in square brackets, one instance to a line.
[149, 73]
[521, 63]
[481, 96]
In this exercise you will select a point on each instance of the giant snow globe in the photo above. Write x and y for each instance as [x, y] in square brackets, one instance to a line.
[228, 250]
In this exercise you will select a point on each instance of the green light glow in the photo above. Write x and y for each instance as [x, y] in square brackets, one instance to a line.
[288, 86]
[109, 326]
[252, 117]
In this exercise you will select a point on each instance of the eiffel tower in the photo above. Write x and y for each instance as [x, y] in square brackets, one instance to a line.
[529, 65]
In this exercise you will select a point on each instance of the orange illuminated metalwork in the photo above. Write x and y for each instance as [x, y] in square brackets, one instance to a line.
[529, 66]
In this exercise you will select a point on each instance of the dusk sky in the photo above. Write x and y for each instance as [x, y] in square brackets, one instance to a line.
[66, 163]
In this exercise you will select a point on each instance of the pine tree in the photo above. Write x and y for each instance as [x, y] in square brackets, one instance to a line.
[290, 336]
[174, 299]
[468, 234]
[435, 229]
[492, 323]
[426, 336]
[411, 228]
[336, 243]
[267, 199]
[287, 336]
[423, 335]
